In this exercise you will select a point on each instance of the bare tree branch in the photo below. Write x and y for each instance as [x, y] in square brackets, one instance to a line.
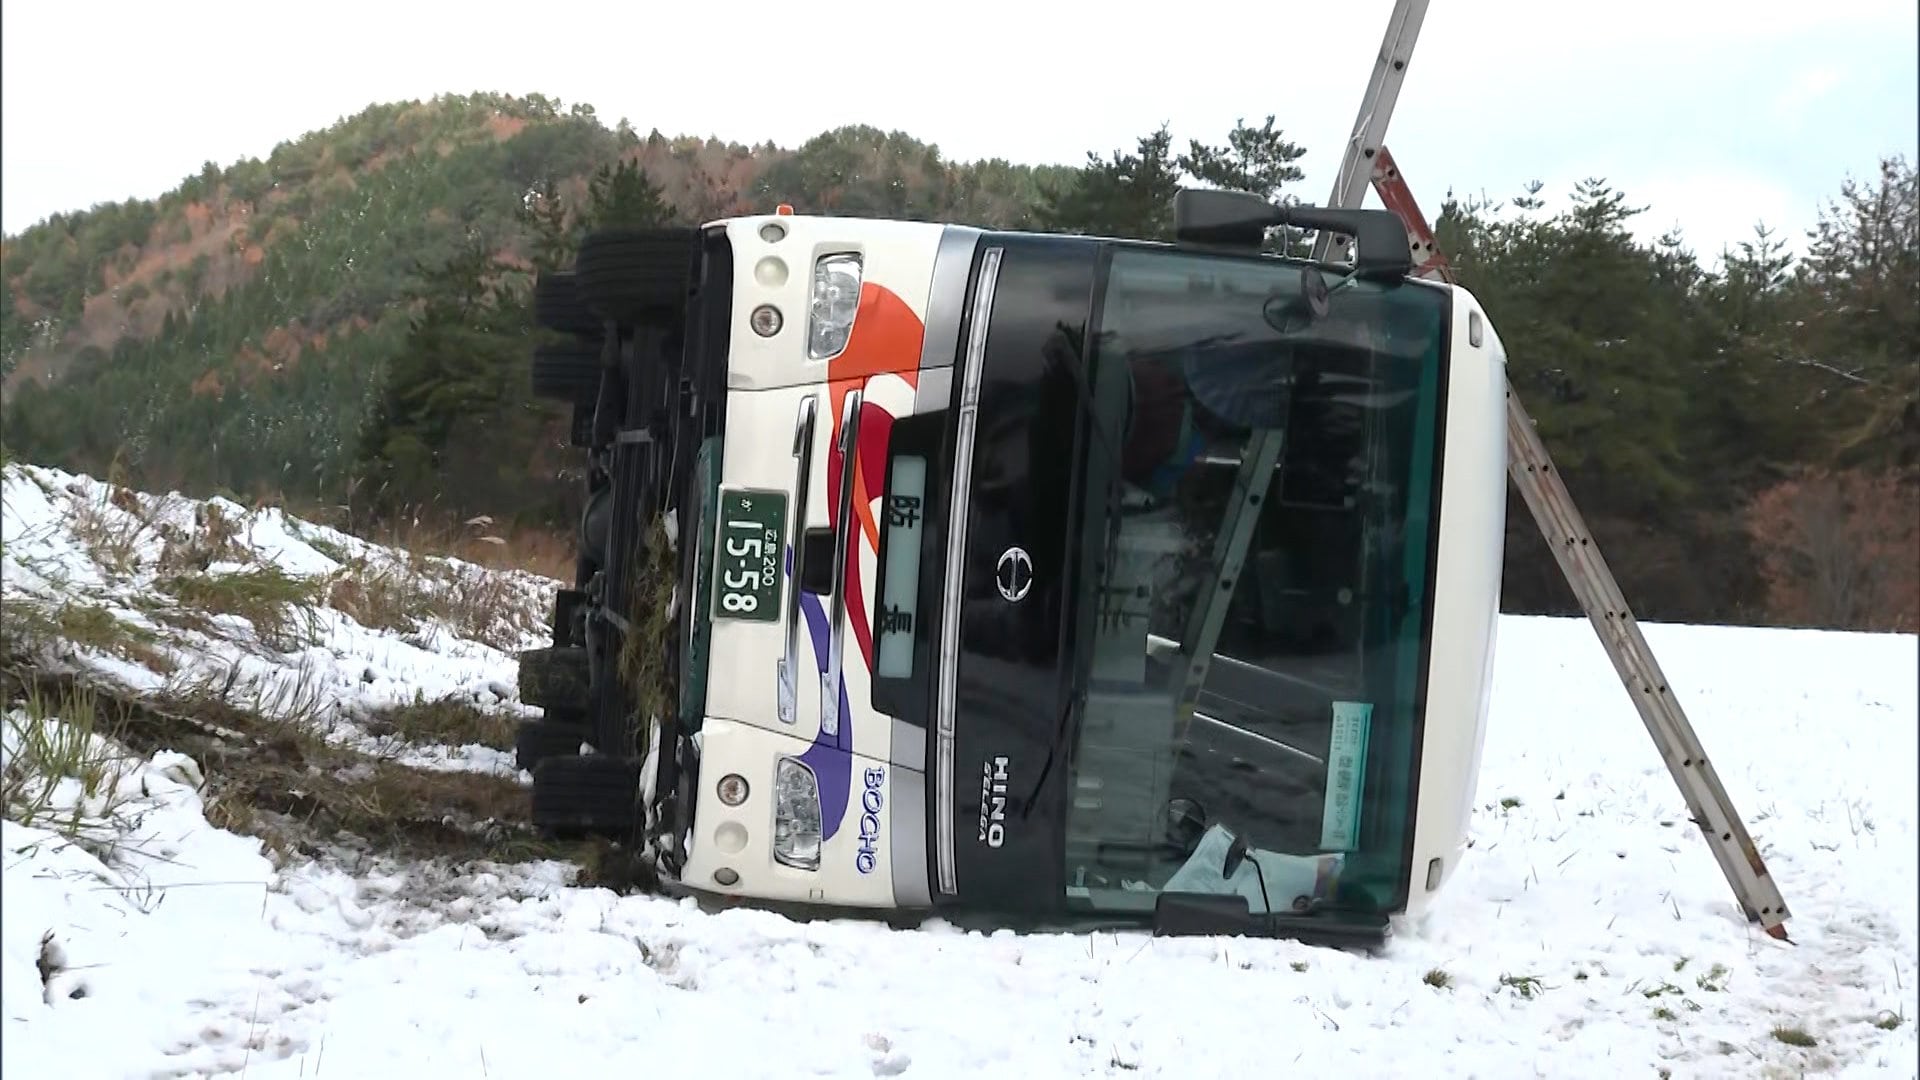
[1850, 376]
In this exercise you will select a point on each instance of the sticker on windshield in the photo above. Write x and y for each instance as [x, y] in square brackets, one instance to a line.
[1346, 773]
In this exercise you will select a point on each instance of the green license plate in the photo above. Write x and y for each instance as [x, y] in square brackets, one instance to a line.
[748, 553]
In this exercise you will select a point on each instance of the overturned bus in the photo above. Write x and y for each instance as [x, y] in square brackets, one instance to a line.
[1050, 579]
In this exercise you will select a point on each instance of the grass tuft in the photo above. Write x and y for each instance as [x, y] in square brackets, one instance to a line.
[403, 596]
[63, 767]
[447, 721]
[379, 597]
[1437, 979]
[29, 625]
[26, 625]
[1527, 986]
[112, 538]
[213, 538]
[1794, 1036]
[1714, 979]
[100, 629]
[478, 604]
[279, 605]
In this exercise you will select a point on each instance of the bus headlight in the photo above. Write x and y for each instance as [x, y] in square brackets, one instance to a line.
[796, 815]
[836, 300]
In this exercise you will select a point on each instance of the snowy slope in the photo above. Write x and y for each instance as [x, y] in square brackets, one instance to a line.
[76, 550]
[1588, 934]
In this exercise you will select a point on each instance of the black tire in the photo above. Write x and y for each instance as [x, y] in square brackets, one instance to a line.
[559, 306]
[554, 678]
[569, 373]
[538, 740]
[633, 276]
[590, 795]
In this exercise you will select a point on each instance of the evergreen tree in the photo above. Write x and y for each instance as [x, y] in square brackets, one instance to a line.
[1256, 159]
[1127, 195]
[623, 195]
[1862, 331]
[454, 411]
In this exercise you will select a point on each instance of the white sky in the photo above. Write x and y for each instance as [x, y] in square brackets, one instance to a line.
[1713, 113]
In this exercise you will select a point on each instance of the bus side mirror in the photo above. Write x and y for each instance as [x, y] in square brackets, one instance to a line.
[1240, 219]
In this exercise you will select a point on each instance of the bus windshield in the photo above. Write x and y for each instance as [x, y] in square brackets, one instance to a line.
[1304, 739]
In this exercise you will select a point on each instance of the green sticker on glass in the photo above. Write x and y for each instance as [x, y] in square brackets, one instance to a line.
[1346, 775]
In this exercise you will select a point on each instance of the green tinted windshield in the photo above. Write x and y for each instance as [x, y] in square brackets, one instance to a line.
[1305, 733]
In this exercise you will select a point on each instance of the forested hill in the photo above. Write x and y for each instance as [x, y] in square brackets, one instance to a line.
[346, 323]
[232, 331]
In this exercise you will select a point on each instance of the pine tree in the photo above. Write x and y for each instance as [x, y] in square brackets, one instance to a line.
[623, 195]
[1862, 283]
[1128, 195]
[1256, 159]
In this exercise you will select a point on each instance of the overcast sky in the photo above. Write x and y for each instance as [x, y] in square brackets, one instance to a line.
[1714, 114]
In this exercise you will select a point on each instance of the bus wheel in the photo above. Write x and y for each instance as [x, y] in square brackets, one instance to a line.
[634, 276]
[554, 678]
[590, 795]
[538, 740]
[569, 373]
[558, 305]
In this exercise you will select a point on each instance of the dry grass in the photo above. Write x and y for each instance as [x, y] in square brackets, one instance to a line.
[26, 625]
[400, 596]
[213, 538]
[1794, 1036]
[168, 612]
[272, 774]
[379, 597]
[547, 552]
[279, 605]
[1527, 986]
[29, 624]
[100, 629]
[428, 531]
[446, 721]
[479, 605]
[112, 539]
[55, 738]
[643, 656]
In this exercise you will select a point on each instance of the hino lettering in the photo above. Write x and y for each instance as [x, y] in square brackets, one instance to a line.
[993, 802]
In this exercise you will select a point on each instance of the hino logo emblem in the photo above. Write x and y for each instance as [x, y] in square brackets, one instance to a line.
[993, 801]
[1014, 574]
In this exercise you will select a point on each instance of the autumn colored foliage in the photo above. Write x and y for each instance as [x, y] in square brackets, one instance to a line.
[1841, 548]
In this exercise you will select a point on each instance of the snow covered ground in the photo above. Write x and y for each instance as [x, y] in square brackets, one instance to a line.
[154, 592]
[1588, 934]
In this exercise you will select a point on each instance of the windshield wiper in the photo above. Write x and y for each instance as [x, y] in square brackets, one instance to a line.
[1065, 349]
